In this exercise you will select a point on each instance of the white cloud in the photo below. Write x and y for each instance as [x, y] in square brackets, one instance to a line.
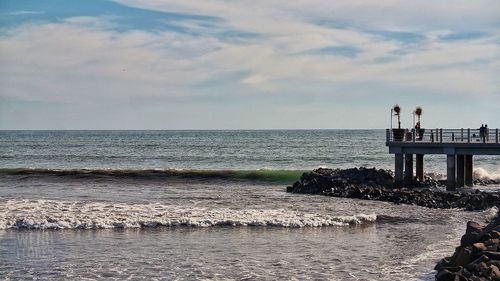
[254, 79]
[23, 13]
[63, 59]
[86, 60]
[421, 15]
[292, 27]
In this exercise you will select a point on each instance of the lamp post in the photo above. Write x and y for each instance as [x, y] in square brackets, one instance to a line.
[414, 118]
[392, 113]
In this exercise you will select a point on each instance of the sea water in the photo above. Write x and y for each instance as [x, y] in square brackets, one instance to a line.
[197, 205]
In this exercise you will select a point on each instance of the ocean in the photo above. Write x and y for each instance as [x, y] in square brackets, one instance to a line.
[203, 204]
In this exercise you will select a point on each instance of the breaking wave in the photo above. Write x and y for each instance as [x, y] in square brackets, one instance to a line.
[263, 175]
[480, 173]
[51, 214]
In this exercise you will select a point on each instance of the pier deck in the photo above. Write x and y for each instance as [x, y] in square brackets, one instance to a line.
[460, 146]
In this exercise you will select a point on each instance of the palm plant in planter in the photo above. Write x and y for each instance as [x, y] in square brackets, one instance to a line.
[398, 133]
[419, 131]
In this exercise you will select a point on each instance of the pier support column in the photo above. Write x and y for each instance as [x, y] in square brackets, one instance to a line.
[398, 169]
[408, 169]
[450, 172]
[460, 170]
[420, 167]
[469, 167]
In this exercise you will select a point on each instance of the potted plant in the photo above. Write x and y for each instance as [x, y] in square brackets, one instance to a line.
[418, 130]
[398, 133]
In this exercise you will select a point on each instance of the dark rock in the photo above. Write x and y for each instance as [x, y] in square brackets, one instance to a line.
[443, 263]
[477, 255]
[495, 271]
[482, 258]
[445, 275]
[473, 227]
[492, 255]
[479, 246]
[377, 184]
[462, 256]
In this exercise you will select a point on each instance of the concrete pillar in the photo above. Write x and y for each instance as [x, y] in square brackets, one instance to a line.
[408, 169]
[469, 167]
[420, 167]
[398, 169]
[460, 170]
[450, 172]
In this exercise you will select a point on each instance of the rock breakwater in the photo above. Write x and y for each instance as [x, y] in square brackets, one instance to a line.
[377, 184]
[478, 256]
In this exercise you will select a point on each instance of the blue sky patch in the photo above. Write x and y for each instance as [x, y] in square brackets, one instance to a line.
[342, 51]
[123, 18]
[463, 36]
[15, 12]
[401, 36]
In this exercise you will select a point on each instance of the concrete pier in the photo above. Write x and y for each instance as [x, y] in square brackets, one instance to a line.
[460, 170]
[408, 177]
[398, 170]
[450, 172]
[419, 166]
[469, 170]
[459, 146]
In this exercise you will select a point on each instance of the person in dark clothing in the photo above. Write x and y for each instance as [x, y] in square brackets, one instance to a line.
[481, 133]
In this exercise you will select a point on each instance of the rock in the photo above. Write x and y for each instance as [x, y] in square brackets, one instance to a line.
[495, 272]
[495, 263]
[445, 275]
[462, 256]
[493, 241]
[445, 262]
[377, 184]
[492, 255]
[481, 259]
[473, 227]
[479, 246]
[477, 254]
[492, 248]
[469, 239]
[495, 234]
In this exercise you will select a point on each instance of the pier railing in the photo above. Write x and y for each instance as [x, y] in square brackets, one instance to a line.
[440, 135]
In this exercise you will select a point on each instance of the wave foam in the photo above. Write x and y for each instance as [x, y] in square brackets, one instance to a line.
[50, 214]
[480, 173]
[491, 213]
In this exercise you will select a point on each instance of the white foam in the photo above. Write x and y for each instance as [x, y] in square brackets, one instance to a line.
[480, 173]
[51, 214]
[436, 176]
[491, 213]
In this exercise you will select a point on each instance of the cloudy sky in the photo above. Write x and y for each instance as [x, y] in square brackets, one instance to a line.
[228, 64]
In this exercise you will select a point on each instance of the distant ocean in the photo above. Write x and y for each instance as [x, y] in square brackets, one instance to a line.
[200, 204]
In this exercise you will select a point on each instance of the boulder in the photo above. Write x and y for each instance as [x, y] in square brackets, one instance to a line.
[377, 184]
[445, 275]
[477, 258]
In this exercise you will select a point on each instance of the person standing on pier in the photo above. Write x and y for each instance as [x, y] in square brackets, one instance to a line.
[481, 133]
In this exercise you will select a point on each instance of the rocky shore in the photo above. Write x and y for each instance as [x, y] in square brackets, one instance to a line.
[478, 256]
[377, 184]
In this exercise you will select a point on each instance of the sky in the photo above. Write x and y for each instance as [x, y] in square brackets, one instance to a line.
[248, 64]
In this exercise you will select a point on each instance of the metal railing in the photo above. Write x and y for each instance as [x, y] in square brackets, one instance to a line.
[440, 135]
